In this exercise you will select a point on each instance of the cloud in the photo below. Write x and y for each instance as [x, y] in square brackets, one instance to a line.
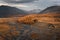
[54, 0]
[19, 5]
[18, 1]
[3, 4]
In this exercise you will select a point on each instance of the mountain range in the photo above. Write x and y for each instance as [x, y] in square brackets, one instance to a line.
[34, 11]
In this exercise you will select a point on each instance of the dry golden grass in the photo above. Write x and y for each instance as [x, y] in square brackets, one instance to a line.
[48, 18]
[31, 18]
[4, 28]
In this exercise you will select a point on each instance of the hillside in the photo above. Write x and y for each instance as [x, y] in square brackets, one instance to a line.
[51, 9]
[7, 11]
[15, 30]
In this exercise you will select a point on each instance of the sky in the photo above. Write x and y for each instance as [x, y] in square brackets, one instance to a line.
[30, 4]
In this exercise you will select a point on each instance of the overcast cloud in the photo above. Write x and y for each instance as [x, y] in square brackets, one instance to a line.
[18, 1]
[30, 4]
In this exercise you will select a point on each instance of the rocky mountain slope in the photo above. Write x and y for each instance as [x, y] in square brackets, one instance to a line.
[7, 11]
[51, 9]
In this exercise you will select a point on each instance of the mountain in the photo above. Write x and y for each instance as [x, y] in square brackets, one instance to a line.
[34, 11]
[55, 9]
[7, 11]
